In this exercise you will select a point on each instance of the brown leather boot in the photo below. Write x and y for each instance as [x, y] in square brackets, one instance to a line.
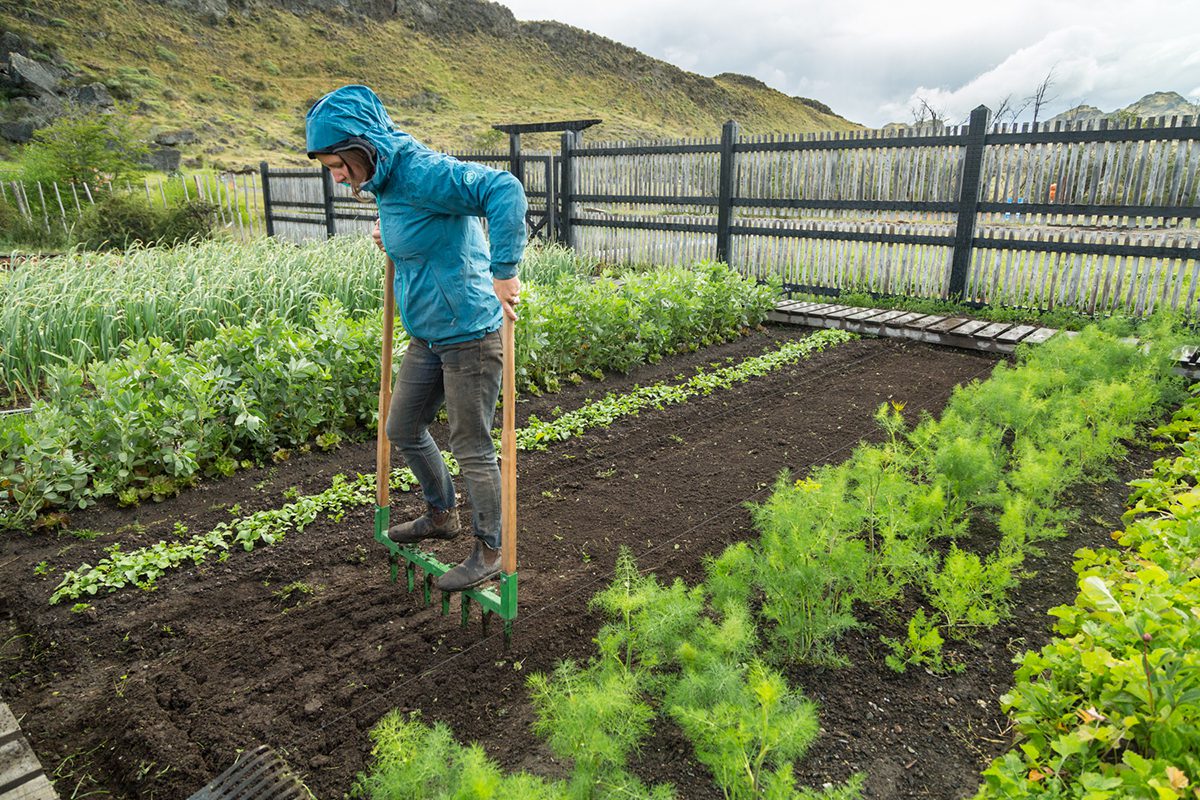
[482, 565]
[435, 523]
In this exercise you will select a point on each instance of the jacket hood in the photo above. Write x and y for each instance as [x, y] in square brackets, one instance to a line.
[354, 112]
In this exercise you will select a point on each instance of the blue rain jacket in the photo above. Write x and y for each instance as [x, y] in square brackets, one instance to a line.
[429, 209]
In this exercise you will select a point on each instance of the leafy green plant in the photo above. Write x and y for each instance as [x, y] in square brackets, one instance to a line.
[1111, 707]
[595, 717]
[922, 647]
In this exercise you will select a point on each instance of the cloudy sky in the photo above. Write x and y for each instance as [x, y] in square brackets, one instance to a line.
[873, 60]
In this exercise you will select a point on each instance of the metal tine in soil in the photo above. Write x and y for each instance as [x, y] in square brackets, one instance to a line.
[258, 774]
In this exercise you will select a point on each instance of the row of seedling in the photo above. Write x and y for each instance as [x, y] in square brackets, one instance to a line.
[142, 567]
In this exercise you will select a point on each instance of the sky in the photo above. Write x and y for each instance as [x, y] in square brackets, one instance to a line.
[874, 61]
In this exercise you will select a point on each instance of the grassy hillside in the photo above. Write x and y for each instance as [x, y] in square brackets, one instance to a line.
[243, 82]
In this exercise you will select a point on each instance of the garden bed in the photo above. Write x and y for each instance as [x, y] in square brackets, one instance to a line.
[305, 645]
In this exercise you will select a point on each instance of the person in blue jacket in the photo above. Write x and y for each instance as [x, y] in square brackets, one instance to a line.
[452, 292]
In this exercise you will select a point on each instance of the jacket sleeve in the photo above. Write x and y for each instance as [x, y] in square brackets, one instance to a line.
[456, 187]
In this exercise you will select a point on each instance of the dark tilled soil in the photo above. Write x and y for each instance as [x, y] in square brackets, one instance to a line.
[153, 694]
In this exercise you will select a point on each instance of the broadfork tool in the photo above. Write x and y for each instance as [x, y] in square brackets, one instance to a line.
[505, 603]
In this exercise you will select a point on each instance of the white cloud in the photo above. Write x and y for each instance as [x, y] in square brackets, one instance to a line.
[869, 59]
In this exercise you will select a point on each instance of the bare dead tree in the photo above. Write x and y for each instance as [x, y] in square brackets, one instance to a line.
[1009, 110]
[1039, 97]
[923, 112]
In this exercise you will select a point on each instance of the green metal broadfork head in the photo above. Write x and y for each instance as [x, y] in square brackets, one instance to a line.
[504, 603]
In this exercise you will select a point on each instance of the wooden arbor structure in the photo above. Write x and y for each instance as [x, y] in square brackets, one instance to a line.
[546, 222]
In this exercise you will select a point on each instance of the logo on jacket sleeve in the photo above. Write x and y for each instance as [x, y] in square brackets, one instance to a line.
[470, 177]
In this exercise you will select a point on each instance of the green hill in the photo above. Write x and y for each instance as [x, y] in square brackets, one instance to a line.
[1155, 104]
[241, 77]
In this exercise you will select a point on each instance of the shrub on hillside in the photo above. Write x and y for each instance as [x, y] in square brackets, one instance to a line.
[189, 221]
[83, 147]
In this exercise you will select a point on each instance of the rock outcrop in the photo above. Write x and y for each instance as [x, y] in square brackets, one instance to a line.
[40, 88]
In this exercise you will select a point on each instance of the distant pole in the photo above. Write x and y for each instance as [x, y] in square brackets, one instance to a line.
[968, 202]
[327, 196]
[551, 200]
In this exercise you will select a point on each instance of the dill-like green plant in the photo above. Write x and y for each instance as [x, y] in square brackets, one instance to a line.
[414, 761]
[647, 620]
[970, 592]
[594, 716]
[746, 725]
[811, 565]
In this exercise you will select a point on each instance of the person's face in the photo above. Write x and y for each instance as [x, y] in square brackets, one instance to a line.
[342, 172]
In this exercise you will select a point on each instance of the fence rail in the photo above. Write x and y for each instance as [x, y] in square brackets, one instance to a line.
[304, 203]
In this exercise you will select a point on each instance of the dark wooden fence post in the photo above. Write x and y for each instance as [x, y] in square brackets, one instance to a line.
[968, 202]
[515, 164]
[551, 226]
[729, 134]
[327, 196]
[266, 194]
[566, 188]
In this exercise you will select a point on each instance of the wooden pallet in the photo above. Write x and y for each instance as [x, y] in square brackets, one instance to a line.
[995, 337]
[998, 337]
[21, 775]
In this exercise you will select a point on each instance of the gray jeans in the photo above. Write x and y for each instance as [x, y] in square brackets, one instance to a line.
[465, 377]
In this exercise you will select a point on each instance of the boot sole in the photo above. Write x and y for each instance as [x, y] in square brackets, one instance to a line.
[471, 585]
[438, 536]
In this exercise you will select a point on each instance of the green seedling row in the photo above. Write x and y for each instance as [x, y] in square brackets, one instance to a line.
[143, 567]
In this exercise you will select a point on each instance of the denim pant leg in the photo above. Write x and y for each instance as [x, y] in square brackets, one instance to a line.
[416, 399]
[472, 371]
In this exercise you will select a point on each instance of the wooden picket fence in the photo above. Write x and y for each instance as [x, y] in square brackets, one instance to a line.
[1097, 217]
[236, 197]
